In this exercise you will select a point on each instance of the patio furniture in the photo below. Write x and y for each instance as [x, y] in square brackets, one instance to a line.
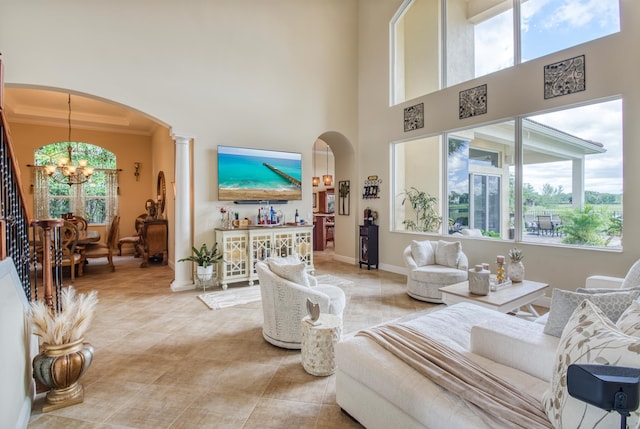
[545, 225]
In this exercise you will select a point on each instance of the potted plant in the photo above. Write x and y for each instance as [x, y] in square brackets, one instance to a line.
[65, 356]
[205, 260]
[425, 207]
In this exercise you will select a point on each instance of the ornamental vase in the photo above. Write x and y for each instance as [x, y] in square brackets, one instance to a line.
[60, 366]
[515, 271]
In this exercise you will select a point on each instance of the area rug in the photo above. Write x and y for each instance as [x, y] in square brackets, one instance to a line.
[329, 279]
[230, 297]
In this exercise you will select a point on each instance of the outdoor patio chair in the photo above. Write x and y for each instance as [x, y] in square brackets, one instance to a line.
[545, 225]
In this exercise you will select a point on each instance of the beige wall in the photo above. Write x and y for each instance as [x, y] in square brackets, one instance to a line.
[519, 90]
[274, 74]
[128, 149]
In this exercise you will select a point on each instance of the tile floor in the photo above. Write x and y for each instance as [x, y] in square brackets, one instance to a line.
[164, 360]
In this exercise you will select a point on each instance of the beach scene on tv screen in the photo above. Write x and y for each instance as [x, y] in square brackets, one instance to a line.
[258, 175]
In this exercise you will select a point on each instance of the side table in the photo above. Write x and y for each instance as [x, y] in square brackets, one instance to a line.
[318, 356]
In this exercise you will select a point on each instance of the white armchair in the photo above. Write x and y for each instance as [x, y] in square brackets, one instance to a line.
[432, 265]
[284, 304]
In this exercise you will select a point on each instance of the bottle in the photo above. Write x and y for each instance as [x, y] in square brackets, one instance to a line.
[297, 217]
[259, 218]
[272, 216]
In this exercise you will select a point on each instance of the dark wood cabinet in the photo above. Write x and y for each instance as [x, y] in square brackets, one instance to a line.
[368, 246]
[154, 241]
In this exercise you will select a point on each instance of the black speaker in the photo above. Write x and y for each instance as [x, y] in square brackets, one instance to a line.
[612, 388]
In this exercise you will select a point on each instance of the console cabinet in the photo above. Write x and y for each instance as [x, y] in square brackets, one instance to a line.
[368, 246]
[154, 241]
[242, 248]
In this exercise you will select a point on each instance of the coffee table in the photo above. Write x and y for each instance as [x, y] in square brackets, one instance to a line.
[505, 300]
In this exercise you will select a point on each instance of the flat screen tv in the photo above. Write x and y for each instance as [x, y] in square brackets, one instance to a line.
[246, 174]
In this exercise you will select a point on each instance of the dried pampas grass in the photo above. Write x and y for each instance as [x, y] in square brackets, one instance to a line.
[68, 325]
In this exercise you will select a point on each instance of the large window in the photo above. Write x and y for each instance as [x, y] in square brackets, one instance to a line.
[569, 163]
[479, 37]
[90, 199]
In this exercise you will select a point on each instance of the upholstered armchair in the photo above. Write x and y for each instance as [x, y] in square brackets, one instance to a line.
[285, 288]
[432, 265]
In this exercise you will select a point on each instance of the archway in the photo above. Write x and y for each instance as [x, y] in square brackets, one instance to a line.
[345, 172]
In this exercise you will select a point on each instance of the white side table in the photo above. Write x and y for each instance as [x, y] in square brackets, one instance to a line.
[318, 356]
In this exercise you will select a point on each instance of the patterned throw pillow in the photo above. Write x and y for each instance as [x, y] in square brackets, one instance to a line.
[629, 322]
[423, 253]
[296, 273]
[448, 253]
[564, 302]
[589, 338]
[593, 290]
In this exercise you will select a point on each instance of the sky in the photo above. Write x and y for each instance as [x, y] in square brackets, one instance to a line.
[549, 26]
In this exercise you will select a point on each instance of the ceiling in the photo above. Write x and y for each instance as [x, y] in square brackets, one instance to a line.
[42, 107]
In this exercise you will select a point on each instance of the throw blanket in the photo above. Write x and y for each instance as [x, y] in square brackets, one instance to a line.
[455, 372]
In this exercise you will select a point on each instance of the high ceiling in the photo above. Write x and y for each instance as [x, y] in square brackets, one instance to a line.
[41, 107]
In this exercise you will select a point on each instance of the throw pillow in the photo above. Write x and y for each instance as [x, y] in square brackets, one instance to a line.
[629, 322]
[448, 253]
[296, 273]
[564, 302]
[422, 253]
[589, 338]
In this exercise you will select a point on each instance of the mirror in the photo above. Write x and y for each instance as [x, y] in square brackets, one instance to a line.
[162, 192]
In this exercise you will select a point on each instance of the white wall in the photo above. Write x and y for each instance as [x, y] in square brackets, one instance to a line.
[274, 74]
[611, 70]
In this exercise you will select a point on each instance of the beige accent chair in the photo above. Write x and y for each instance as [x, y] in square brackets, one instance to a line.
[432, 265]
[284, 304]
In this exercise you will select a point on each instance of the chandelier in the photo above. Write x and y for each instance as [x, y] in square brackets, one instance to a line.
[315, 181]
[327, 179]
[67, 171]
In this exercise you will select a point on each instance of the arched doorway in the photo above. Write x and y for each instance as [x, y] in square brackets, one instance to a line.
[342, 152]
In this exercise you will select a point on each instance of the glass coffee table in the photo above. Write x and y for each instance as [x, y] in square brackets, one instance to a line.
[506, 300]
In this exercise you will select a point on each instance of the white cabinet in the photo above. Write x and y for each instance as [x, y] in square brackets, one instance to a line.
[242, 248]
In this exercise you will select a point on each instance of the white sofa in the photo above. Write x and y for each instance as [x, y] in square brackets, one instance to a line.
[381, 391]
[431, 267]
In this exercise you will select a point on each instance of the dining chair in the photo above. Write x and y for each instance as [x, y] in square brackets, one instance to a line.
[102, 250]
[70, 257]
[81, 223]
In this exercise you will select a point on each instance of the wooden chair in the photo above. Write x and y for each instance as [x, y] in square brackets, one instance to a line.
[133, 239]
[101, 250]
[70, 257]
[81, 223]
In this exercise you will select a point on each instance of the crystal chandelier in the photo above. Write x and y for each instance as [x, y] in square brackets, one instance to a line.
[66, 171]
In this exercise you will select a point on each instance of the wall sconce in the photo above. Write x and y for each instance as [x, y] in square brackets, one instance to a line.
[136, 173]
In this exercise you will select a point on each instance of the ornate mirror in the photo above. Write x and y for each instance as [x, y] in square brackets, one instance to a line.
[162, 191]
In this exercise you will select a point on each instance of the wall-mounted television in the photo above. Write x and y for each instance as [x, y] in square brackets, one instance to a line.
[246, 174]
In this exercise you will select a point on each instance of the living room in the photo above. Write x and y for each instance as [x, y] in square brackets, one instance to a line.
[255, 74]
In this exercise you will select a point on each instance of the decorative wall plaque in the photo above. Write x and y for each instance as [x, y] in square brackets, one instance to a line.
[564, 77]
[414, 117]
[473, 101]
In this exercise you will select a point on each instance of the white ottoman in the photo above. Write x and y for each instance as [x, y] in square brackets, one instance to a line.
[318, 356]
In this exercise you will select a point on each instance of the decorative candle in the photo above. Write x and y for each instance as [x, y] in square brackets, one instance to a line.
[500, 259]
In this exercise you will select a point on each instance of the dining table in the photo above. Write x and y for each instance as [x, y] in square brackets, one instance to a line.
[88, 236]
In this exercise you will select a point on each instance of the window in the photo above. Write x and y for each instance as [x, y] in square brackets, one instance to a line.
[571, 172]
[479, 37]
[89, 200]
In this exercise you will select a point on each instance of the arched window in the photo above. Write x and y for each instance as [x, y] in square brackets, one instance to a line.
[57, 193]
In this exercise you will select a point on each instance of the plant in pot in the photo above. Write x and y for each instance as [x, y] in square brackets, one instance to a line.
[205, 260]
[515, 270]
[425, 207]
[65, 357]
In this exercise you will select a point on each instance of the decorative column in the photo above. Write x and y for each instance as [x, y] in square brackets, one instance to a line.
[182, 272]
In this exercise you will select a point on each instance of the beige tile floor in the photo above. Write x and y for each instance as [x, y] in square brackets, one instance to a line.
[164, 360]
